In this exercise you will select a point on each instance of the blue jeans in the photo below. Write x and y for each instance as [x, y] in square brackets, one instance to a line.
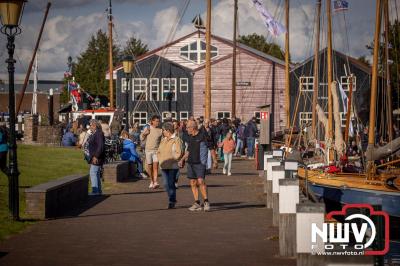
[250, 146]
[95, 178]
[169, 176]
[239, 147]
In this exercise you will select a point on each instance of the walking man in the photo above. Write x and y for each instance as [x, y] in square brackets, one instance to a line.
[251, 134]
[196, 157]
[96, 155]
[152, 135]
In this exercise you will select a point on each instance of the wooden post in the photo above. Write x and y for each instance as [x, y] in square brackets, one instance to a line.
[316, 70]
[374, 90]
[208, 63]
[287, 216]
[330, 79]
[270, 163]
[234, 60]
[110, 56]
[287, 77]
[307, 213]
[278, 172]
[387, 72]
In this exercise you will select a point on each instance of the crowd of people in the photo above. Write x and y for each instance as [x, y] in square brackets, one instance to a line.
[197, 144]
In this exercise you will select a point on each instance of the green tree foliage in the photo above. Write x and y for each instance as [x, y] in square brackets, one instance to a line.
[92, 65]
[134, 47]
[260, 43]
[363, 59]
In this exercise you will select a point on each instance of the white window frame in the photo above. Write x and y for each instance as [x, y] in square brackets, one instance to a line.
[170, 82]
[164, 115]
[198, 50]
[223, 116]
[184, 86]
[343, 119]
[123, 84]
[139, 88]
[186, 114]
[305, 117]
[140, 119]
[154, 87]
[306, 84]
[345, 81]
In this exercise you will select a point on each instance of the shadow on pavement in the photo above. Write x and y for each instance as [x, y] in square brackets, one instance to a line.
[137, 193]
[3, 254]
[90, 203]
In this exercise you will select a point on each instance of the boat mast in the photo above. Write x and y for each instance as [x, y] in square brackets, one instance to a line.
[374, 82]
[208, 62]
[287, 78]
[110, 55]
[387, 71]
[234, 60]
[35, 81]
[330, 79]
[348, 115]
[316, 70]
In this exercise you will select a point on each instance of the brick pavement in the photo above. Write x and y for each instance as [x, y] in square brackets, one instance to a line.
[131, 226]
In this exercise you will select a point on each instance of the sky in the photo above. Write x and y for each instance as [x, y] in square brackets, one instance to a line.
[156, 22]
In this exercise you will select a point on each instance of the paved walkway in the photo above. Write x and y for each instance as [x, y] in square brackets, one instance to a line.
[131, 226]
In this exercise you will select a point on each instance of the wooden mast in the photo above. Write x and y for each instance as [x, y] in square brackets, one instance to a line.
[330, 79]
[287, 78]
[316, 70]
[374, 90]
[234, 60]
[387, 71]
[348, 115]
[110, 55]
[208, 62]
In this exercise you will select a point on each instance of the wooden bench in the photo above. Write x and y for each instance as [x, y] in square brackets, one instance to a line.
[119, 171]
[52, 199]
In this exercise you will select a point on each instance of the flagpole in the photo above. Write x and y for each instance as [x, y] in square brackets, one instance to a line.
[234, 60]
[208, 63]
[316, 70]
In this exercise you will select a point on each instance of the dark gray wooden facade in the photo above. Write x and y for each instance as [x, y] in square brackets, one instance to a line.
[156, 67]
[361, 91]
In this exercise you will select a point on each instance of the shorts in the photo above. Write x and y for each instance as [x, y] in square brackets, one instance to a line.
[151, 157]
[195, 171]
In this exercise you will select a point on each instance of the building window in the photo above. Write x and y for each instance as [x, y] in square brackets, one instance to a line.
[168, 115]
[257, 115]
[154, 89]
[196, 51]
[343, 119]
[221, 115]
[184, 115]
[123, 85]
[345, 81]
[168, 89]
[184, 85]
[140, 89]
[307, 84]
[140, 117]
[305, 118]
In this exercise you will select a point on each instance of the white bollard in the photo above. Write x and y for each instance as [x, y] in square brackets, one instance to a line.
[278, 172]
[289, 197]
[271, 162]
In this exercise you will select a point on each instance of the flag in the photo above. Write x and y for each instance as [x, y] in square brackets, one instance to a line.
[273, 26]
[340, 5]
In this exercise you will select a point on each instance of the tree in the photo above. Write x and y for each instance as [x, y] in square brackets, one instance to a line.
[259, 42]
[135, 47]
[363, 59]
[92, 65]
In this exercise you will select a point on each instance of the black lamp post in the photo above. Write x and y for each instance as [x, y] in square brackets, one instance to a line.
[11, 13]
[128, 63]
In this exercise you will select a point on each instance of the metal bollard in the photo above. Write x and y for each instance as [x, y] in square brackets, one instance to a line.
[289, 191]
[278, 172]
[270, 163]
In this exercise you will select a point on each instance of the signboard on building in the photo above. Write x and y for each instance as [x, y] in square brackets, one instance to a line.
[243, 83]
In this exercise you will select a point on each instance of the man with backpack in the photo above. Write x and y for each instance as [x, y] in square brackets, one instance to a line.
[240, 137]
[3, 147]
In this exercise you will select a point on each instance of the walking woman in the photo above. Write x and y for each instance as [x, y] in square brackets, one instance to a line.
[228, 146]
[169, 153]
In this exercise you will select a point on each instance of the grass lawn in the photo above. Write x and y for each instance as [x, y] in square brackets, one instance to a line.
[37, 164]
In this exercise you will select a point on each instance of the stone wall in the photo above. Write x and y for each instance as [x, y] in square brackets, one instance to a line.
[30, 129]
[49, 135]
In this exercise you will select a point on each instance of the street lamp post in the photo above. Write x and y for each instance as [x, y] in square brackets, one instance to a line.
[128, 63]
[11, 13]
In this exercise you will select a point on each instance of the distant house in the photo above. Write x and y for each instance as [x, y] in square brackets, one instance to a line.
[170, 81]
[302, 83]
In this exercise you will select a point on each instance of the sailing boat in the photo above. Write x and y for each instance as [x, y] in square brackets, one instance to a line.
[375, 186]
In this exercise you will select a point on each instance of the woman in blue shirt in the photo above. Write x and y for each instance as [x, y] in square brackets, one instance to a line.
[129, 152]
[3, 147]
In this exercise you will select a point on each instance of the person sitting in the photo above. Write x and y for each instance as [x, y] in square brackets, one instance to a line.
[129, 152]
[69, 139]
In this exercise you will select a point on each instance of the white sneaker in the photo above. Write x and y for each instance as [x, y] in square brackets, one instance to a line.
[206, 207]
[151, 185]
[224, 171]
[156, 185]
[143, 175]
[229, 174]
[195, 207]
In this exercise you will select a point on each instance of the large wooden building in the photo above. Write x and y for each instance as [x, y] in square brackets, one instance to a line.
[302, 86]
[170, 80]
